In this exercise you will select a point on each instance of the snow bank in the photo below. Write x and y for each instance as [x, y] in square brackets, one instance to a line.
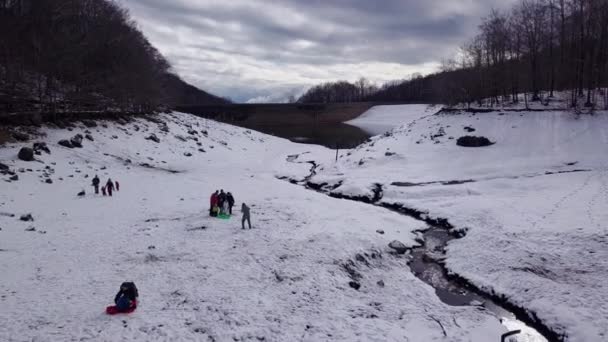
[380, 119]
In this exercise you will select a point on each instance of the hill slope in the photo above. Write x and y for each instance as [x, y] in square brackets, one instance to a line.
[199, 277]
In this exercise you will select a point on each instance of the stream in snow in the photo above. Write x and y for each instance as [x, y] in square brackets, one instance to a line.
[427, 259]
[426, 264]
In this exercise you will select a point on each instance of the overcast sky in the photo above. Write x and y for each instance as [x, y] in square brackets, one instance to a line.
[267, 50]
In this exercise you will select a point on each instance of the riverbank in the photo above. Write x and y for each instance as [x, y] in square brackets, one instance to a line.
[531, 205]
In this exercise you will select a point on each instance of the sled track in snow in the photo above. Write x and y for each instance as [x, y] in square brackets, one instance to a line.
[528, 317]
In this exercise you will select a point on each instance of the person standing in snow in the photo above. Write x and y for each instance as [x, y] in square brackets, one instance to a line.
[109, 187]
[230, 200]
[221, 199]
[96, 184]
[213, 201]
[117, 185]
[246, 217]
[103, 190]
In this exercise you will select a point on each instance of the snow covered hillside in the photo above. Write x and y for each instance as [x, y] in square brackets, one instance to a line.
[533, 204]
[381, 119]
[313, 268]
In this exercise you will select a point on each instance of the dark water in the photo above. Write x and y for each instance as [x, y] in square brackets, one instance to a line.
[329, 135]
[426, 264]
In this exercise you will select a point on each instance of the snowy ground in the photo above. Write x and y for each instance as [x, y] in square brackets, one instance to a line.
[533, 204]
[202, 278]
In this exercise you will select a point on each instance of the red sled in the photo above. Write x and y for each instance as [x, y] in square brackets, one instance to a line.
[113, 310]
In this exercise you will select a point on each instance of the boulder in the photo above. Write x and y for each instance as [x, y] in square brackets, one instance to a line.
[187, 154]
[89, 137]
[41, 146]
[469, 129]
[48, 181]
[153, 137]
[89, 123]
[3, 167]
[473, 141]
[14, 178]
[77, 140]
[380, 231]
[65, 143]
[398, 246]
[82, 193]
[27, 218]
[26, 154]
[20, 136]
[355, 285]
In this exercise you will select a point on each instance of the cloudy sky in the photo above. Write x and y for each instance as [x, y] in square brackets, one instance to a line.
[270, 49]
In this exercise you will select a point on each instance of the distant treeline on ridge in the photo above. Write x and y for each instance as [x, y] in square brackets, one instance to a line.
[83, 56]
[535, 49]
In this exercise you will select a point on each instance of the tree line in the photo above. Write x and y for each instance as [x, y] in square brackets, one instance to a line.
[339, 92]
[81, 55]
[524, 54]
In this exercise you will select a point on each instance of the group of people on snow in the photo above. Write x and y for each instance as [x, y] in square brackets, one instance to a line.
[221, 203]
[108, 188]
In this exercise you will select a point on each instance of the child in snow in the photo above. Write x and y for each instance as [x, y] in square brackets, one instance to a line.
[103, 190]
[96, 184]
[110, 187]
[117, 185]
[225, 208]
[126, 298]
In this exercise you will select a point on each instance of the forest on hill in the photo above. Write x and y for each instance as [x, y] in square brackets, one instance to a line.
[536, 48]
[83, 56]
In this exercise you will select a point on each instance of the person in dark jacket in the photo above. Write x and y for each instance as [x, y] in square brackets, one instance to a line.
[230, 200]
[126, 298]
[96, 184]
[109, 187]
[246, 217]
[117, 185]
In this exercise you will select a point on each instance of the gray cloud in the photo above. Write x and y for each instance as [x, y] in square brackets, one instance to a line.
[246, 49]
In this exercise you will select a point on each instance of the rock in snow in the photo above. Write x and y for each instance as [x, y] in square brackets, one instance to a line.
[26, 154]
[26, 218]
[472, 141]
[153, 137]
[398, 246]
[65, 143]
